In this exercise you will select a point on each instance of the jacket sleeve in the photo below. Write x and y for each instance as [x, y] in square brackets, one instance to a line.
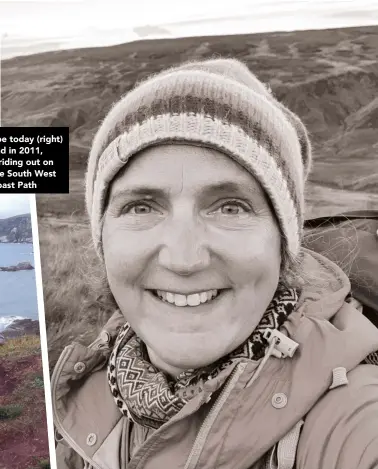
[341, 430]
[67, 458]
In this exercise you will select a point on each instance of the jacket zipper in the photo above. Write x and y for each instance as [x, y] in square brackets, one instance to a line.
[203, 431]
[212, 415]
[58, 423]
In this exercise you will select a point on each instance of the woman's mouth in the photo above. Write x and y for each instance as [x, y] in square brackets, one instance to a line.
[194, 299]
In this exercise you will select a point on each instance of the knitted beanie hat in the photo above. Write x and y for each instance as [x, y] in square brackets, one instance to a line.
[219, 104]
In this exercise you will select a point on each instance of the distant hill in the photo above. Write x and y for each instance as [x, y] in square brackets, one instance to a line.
[328, 77]
[16, 229]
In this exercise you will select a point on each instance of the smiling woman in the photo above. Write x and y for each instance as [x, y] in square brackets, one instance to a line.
[190, 233]
[228, 335]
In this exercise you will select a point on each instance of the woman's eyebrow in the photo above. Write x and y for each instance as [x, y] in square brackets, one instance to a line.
[229, 187]
[223, 188]
[140, 191]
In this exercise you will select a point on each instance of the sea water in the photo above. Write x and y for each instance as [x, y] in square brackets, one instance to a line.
[18, 296]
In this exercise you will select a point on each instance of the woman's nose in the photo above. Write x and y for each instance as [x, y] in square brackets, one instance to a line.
[184, 251]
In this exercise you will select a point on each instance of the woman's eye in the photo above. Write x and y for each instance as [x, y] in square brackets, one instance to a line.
[138, 209]
[234, 208]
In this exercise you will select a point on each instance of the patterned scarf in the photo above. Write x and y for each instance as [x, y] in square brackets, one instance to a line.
[149, 397]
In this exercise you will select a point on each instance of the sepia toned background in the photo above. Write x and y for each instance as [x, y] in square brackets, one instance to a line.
[328, 77]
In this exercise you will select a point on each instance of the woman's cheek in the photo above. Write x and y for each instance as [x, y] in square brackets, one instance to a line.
[256, 254]
[127, 251]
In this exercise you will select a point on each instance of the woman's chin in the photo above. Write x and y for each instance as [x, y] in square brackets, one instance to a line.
[184, 358]
[189, 363]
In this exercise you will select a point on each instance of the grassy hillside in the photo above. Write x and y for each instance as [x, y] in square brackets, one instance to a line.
[329, 78]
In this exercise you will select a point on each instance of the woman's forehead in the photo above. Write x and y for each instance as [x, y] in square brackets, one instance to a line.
[175, 167]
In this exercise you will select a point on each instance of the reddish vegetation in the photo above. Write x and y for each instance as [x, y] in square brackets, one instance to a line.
[23, 451]
[10, 375]
[23, 438]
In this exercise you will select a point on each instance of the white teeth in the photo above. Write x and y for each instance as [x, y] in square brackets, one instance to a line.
[194, 299]
[170, 297]
[180, 300]
[203, 297]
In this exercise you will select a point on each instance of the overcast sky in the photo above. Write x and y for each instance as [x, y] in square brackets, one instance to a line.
[52, 18]
[15, 204]
[96, 22]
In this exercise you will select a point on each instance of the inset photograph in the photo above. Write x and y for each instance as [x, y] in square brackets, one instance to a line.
[23, 426]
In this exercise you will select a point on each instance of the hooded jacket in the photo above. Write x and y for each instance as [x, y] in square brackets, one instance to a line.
[316, 410]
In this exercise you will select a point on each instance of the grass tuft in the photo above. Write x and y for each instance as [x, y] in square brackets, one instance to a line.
[44, 464]
[20, 347]
[41, 464]
[38, 382]
[9, 412]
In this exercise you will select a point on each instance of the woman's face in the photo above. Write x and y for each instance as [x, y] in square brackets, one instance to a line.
[192, 253]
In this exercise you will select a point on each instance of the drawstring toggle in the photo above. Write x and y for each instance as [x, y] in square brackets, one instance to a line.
[284, 346]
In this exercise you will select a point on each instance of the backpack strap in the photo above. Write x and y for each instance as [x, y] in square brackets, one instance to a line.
[283, 454]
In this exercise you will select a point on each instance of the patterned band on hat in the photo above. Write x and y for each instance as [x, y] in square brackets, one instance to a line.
[213, 96]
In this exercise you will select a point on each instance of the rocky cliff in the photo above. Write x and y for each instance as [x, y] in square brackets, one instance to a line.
[19, 266]
[16, 229]
[19, 328]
